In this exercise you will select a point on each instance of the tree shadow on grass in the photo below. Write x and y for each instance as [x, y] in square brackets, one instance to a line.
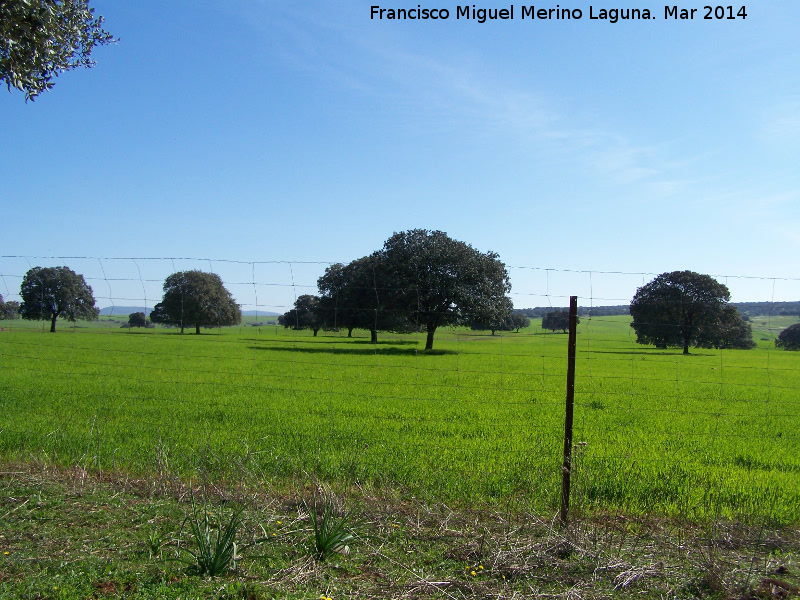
[366, 349]
[334, 340]
[652, 352]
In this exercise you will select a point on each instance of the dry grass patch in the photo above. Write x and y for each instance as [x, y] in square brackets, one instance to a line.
[67, 534]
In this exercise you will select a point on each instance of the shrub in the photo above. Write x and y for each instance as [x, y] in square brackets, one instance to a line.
[789, 338]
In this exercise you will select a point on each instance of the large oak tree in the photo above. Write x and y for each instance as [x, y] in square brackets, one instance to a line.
[51, 292]
[433, 280]
[683, 308]
[196, 298]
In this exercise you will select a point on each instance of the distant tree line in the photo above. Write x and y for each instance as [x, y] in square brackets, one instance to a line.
[755, 309]
[746, 309]
[539, 312]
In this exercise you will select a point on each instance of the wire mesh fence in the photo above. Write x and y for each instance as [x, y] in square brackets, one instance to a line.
[478, 419]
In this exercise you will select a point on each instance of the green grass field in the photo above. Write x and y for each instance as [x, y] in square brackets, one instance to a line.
[478, 421]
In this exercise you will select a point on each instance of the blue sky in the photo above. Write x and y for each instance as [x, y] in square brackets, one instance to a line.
[260, 131]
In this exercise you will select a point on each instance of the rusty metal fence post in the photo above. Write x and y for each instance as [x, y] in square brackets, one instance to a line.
[566, 468]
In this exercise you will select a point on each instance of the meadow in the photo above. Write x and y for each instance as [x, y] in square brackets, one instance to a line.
[478, 421]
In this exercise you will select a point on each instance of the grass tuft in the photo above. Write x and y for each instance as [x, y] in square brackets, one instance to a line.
[332, 533]
[216, 550]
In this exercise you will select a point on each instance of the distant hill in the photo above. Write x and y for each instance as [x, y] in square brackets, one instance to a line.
[124, 311]
[259, 313]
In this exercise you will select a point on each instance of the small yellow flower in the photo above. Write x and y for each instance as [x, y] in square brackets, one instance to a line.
[274, 535]
[277, 522]
[480, 567]
[473, 573]
[5, 553]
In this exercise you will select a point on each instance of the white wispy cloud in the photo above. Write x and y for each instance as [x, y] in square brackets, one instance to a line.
[462, 93]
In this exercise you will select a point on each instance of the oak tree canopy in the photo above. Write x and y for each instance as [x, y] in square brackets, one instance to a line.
[40, 39]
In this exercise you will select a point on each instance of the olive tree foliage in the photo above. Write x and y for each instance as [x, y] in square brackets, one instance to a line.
[52, 292]
[306, 314]
[557, 319]
[40, 39]
[196, 298]
[432, 280]
[8, 310]
[789, 338]
[684, 308]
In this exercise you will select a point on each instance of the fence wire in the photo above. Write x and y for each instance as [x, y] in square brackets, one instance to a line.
[479, 418]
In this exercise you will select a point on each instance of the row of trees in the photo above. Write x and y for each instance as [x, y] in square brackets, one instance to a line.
[419, 281]
[191, 298]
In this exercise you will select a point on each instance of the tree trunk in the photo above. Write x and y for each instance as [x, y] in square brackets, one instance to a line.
[197, 329]
[686, 347]
[316, 329]
[349, 332]
[492, 331]
[429, 341]
[53, 323]
[373, 336]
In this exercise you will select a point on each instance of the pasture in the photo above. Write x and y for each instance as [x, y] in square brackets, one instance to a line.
[476, 422]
